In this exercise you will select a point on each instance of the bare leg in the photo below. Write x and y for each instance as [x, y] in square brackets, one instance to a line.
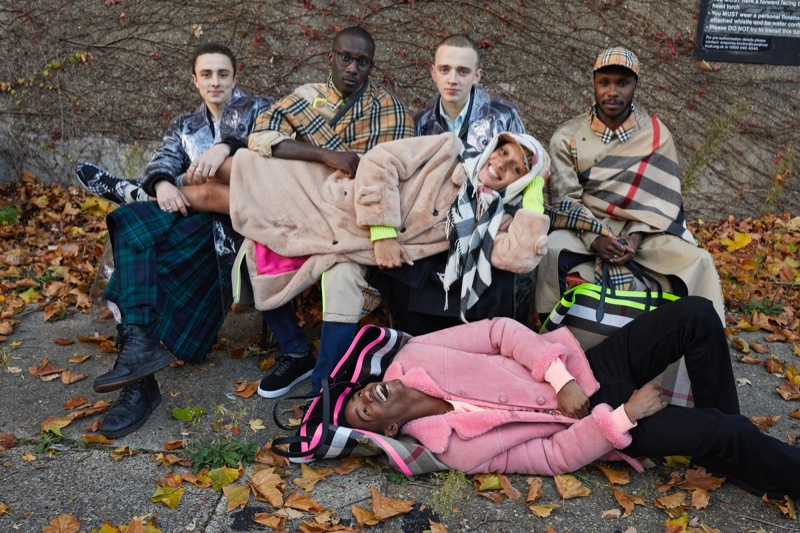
[210, 197]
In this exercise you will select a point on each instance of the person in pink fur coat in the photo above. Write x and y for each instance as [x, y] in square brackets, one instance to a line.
[493, 396]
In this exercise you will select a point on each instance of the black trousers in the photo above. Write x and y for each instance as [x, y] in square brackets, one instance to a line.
[713, 433]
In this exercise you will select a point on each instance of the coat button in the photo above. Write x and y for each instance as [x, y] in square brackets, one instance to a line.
[540, 400]
[335, 242]
[503, 399]
[436, 212]
[402, 230]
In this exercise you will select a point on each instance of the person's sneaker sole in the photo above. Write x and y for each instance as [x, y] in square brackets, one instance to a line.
[132, 427]
[280, 392]
[109, 385]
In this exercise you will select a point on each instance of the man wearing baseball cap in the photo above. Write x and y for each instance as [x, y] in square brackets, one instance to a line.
[615, 197]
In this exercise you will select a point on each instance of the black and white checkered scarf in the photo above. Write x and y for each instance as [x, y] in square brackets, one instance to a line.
[475, 217]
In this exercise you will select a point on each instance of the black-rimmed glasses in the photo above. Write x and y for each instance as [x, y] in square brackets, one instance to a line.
[344, 59]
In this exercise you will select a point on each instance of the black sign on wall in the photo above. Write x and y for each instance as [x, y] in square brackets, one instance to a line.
[749, 31]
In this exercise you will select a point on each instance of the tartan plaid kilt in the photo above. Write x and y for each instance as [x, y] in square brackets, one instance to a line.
[591, 317]
[321, 437]
[167, 271]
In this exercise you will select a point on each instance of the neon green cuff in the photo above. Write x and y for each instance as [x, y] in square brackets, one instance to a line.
[378, 233]
[532, 197]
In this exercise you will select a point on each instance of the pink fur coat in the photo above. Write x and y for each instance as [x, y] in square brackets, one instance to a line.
[501, 364]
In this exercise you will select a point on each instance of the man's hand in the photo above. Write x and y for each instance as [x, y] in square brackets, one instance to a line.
[390, 254]
[206, 164]
[171, 199]
[645, 402]
[617, 250]
[572, 401]
[347, 162]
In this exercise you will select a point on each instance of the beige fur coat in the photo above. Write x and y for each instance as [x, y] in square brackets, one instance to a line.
[297, 208]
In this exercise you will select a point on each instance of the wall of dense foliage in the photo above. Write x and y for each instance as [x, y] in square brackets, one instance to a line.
[100, 79]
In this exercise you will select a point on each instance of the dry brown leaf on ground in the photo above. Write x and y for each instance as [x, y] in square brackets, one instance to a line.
[508, 488]
[740, 344]
[698, 478]
[96, 439]
[673, 501]
[785, 505]
[63, 342]
[45, 369]
[172, 480]
[78, 358]
[364, 517]
[303, 502]
[764, 422]
[437, 527]
[100, 406]
[349, 464]
[268, 457]
[569, 487]
[62, 523]
[610, 514]
[534, 489]
[68, 377]
[749, 360]
[94, 426]
[4, 509]
[774, 365]
[267, 485]
[55, 425]
[700, 499]
[759, 348]
[789, 391]
[171, 459]
[120, 453]
[7, 441]
[174, 444]
[244, 388]
[236, 496]
[75, 402]
[278, 523]
[385, 507]
[544, 510]
[495, 496]
[627, 501]
[199, 479]
[310, 477]
[486, 482]
[614, 476]
[677, 524]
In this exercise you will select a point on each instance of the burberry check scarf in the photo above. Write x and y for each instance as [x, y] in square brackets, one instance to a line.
[474, 220]
[638, 181]
[375, 118]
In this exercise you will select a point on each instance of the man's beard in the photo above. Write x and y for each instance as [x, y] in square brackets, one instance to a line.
[623, 113]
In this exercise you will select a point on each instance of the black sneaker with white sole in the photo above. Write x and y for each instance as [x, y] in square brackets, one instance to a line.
[288, 372]
[107, 186]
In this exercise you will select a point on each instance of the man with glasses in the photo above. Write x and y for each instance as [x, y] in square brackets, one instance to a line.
[329, 123]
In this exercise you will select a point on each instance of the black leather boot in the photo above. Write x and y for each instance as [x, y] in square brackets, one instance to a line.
[130, 411]
[141, 354]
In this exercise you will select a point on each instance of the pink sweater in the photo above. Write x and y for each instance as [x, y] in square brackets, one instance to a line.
[500, 364]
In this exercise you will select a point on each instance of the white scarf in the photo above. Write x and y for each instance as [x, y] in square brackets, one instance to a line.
[475, 217]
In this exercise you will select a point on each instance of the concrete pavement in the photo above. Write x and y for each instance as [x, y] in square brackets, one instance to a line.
[85, 481]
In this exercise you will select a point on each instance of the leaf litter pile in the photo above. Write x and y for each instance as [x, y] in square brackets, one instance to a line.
[52, 240]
